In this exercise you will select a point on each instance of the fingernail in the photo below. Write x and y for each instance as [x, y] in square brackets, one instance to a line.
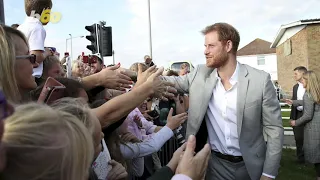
[119, 64]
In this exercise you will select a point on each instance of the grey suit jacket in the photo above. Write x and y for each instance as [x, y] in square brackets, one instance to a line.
[311, 122]
[258, 113]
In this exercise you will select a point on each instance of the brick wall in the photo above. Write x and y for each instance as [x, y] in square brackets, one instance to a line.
[313, 32]
[298, 57]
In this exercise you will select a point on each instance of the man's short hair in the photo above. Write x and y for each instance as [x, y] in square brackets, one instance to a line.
[147, 57]
[301, 69]
[225, 32]
[36, 5]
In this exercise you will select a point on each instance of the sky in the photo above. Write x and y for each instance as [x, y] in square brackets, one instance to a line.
[176, 24]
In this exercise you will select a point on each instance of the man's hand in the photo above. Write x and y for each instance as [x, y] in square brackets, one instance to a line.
[117, 172]
[192, 165]
[177, 155]
[161, 89]
[288, 101]
[265, 178]
[293, 123]
[113, 79]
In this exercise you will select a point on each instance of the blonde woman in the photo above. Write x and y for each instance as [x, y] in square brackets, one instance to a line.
[46, 144]
[310, 118]
[103, 166]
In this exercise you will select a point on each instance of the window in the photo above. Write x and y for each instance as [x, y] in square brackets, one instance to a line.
[261, 60]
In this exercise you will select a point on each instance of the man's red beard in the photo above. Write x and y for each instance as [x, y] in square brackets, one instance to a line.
[217, 60]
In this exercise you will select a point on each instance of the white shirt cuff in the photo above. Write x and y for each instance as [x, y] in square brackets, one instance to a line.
[180, 177]
[269, 176]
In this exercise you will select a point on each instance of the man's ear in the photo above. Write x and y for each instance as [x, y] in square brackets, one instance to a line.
[229, 46]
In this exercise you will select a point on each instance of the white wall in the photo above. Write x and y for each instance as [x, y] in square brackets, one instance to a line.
[269, 67]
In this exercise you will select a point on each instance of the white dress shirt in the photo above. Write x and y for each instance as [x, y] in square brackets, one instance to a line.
[300, 92]
[222, 118]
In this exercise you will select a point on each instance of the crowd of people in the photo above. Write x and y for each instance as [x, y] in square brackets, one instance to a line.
[107, 122]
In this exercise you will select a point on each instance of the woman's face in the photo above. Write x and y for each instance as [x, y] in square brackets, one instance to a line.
[55, 71]
[23, 67]
[143, 106]
[97, 135]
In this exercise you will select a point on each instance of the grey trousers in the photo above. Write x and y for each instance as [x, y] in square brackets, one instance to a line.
[220, 169]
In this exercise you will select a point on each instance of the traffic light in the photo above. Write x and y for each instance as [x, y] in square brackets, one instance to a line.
[93, 38]
[105, 41]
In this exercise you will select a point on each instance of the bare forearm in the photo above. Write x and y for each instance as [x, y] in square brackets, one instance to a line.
[122, 105]
[91, 81]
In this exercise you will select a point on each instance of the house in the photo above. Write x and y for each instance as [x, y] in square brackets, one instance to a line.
[258, 54]
[297, 44]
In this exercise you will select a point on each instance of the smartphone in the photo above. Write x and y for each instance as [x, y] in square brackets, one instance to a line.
[51, 91]
[89, 59]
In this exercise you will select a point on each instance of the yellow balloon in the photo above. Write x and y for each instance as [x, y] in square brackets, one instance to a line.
[55, 17]
[45, 16]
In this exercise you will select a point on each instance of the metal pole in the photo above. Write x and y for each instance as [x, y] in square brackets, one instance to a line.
[150, 34]
[71, 46]
[2, 19]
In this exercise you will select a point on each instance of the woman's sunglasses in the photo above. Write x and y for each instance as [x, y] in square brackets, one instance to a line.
[32, 58]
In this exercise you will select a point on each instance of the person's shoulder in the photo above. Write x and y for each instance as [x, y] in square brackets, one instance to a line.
[254, 72]
[203, 69]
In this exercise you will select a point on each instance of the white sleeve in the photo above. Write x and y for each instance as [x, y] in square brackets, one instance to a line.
[36, 39]
[147, 147]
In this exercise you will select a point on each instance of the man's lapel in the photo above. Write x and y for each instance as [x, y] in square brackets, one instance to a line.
[210, 83]
[243, 82]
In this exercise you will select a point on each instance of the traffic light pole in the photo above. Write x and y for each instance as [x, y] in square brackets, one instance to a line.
[2, 19]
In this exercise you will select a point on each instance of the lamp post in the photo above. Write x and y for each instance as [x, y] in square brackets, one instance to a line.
[150, 34]
[71, 37]
[71, 46]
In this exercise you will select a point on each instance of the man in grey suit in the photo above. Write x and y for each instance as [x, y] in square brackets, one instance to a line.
[231, 106]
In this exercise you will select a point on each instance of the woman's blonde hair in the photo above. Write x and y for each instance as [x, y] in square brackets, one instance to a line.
[43, 143]
[313, 85]
[8, 82]
[77, 107]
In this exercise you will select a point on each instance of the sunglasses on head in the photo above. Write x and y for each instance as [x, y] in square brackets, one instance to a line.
[32, 58]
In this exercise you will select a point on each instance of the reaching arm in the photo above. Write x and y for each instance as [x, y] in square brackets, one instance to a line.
[118, 107]
[272, 122]
[308, 110]
[147, 147]
[182, 83]
[297, 103]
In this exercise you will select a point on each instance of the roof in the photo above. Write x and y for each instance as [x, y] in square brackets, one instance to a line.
[283, 29]
[257, 46]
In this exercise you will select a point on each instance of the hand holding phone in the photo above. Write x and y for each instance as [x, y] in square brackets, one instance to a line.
[51, 91]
